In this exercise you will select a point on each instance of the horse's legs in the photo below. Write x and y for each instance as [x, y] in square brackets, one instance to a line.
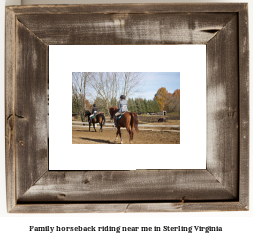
[129, 123]
[89, 125]
[121, 140]
[117, 134]
[130, 134]
[94, 127]
[101, 124]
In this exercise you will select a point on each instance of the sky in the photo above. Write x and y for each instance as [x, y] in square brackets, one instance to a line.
[155, 80]
[152, 81]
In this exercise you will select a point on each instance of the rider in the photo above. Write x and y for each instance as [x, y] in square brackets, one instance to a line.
[122, 107]
[94, 111]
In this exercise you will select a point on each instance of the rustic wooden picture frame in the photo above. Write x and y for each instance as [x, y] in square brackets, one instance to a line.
[223, 186]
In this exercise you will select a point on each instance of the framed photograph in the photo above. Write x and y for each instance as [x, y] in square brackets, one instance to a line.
[50, 47]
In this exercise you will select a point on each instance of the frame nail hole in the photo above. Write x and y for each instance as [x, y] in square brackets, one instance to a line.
[61, 195]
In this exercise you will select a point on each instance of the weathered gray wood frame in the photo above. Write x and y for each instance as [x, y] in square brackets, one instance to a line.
[222, 186]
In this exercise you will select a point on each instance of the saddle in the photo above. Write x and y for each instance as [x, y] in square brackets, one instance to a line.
[92, 118]
[118, 118]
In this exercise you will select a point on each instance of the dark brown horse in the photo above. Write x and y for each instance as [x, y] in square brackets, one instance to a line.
[128, 119]
[99, 118]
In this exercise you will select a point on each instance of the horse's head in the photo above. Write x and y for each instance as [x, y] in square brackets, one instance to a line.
[113, 110]
[87, 113]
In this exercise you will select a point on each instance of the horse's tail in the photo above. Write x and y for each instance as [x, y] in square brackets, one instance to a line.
[135, 120]
[103, 117]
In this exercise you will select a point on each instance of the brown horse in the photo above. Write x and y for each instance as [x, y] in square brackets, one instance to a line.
[128, 119]
[99, 118]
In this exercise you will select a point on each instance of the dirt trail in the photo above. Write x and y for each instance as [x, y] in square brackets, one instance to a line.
[83, 136]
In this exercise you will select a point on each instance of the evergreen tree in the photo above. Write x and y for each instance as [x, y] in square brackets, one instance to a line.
[149, 106]
[130, 105]
[145, 106]
[142, 106]
[156, 106]
[75, 104]
[138, 105]
[134, 107]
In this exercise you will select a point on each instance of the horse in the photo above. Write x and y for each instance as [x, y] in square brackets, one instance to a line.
[162, 119]
[99, 118]
[128, 119]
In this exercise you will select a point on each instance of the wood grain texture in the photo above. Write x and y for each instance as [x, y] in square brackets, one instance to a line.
[129, 8]
[186, 207]
[30, 108]
[129, 207]
[222, 107]
[223, 186]
[244, 106]
[9, 109]
[121, 29]
[140, 185]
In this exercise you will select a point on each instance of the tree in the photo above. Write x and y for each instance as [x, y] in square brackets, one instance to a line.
[110, 85]
[142, 106]
[130, 83]
[114, 102]
[176, 96]
[75, 103]
[160, 97]
[130, 104]
[145, 105]
[133, 107]
[156, 107]
[105, 86]
[169, 106]
[150, 106]
[138, 105]
[177, 93]
[101, 105]
[173, 101]
[80, 82]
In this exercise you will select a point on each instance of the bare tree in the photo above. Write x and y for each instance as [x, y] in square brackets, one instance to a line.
[110, 85]
[79, 91]
[106, 87]
[130, 83]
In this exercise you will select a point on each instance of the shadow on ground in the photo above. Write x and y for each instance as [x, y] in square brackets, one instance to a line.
[98, 140]
[87, 131]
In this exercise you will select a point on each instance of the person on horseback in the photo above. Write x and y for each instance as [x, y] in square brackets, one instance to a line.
[94, 111]
[122, 108]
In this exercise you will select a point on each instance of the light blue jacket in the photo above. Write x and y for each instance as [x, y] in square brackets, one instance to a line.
[123, 106]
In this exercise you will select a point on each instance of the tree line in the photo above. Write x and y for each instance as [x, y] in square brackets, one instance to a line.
[137, 105]
[163, 101]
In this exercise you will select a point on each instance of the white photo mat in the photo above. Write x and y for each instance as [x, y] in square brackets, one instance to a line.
[189, 60]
